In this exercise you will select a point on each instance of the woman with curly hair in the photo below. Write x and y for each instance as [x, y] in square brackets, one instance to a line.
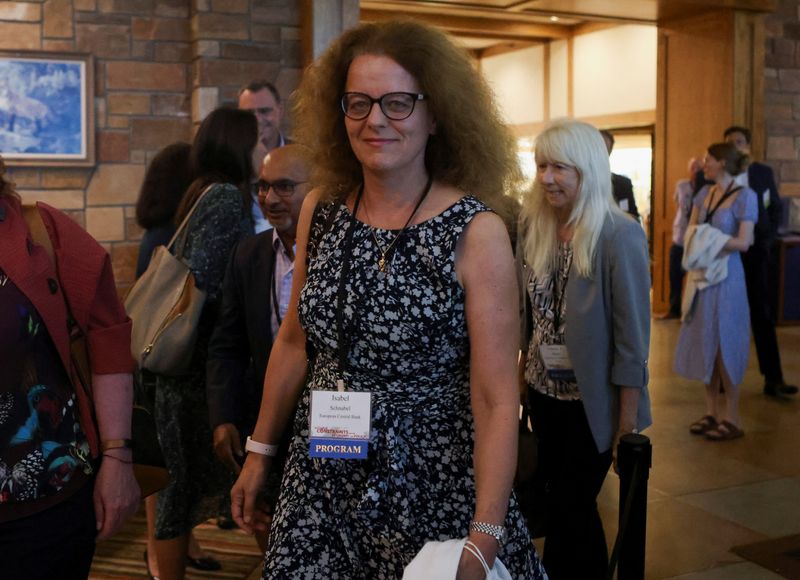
[404, 289]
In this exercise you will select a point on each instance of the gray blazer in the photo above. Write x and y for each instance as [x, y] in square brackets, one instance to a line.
[608, 325]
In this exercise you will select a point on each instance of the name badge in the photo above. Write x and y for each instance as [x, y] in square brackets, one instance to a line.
[340, 424]
[623, 205]
[765, 198]
[556, 362]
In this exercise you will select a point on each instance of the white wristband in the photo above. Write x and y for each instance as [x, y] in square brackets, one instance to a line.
[260, 448]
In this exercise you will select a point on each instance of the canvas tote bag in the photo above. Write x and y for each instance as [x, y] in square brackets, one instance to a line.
[165, 306]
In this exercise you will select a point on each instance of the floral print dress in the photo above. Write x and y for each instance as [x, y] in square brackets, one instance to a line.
[199, 482]
[409, 347]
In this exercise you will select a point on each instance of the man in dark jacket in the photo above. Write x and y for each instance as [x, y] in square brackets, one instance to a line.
[255, 297]
[759, 178]
[621, 186]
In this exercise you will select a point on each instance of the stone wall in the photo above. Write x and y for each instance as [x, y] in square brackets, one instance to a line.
[782, 95]
[160, 66]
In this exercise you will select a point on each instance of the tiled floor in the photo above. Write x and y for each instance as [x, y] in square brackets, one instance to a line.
[706, 497]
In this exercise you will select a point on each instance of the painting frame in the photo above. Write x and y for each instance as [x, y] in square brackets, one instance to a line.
[22, 123]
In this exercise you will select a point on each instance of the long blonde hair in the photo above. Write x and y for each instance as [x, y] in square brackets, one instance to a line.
[581, 146]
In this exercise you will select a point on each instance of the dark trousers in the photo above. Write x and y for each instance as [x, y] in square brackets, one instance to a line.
[575, 543]
[676, 273]
[55, 543]
[756, 274]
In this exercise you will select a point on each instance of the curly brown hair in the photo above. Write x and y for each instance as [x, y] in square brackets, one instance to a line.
[6, 187]
[472, 149]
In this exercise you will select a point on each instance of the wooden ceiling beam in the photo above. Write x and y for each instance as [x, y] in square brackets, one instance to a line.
[504, 48]
[510, 28]
[534, 22]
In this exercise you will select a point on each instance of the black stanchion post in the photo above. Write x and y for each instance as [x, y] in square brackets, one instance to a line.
[634, 459]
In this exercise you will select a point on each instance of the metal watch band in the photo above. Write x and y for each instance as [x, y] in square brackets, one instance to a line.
[260, 448]
[115, 444]
[497, 532]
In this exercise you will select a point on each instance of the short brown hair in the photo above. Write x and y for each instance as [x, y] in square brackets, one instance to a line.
[734, 161]
[260, 85]
[472, 148]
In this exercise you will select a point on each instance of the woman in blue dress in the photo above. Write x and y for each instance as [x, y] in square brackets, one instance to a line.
[714, 340]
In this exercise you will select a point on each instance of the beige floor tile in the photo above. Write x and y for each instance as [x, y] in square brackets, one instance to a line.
[771, 508]
[683, 539]
[705, 497]
[741, 571]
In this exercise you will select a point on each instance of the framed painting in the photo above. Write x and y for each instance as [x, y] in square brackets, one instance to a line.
[46, 109]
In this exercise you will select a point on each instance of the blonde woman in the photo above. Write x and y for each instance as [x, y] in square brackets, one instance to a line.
[586, 330]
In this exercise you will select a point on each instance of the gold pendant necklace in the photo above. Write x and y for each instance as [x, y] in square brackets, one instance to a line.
[385, 251]
[382, 259]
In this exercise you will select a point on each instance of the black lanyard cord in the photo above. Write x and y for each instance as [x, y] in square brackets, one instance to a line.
[347, 250]
[560, 289]
[728, 192]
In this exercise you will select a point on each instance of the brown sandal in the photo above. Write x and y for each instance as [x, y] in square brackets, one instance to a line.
[703, 425]
[725, 431]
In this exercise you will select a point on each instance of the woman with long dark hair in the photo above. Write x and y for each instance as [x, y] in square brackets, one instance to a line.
[221, 162]
[167, 179]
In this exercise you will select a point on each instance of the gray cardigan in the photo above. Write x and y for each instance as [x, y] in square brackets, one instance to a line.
[608, 325]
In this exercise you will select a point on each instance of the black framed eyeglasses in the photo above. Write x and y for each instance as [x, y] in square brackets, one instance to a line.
[396, 106]
[282, 187]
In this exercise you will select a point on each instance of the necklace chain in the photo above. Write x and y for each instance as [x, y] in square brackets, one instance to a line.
[385, 251]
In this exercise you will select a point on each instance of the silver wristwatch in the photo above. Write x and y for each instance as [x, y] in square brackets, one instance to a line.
[499, 533]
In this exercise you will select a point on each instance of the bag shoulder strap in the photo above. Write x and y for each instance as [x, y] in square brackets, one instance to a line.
[185, 221]
[77, 338]
[38, 230]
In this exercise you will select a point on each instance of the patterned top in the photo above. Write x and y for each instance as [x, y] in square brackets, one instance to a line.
[548, 296]
[198, 480]
[43, 450]
[409, 347]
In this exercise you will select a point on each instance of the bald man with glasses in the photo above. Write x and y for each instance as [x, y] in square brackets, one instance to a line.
[255, 298]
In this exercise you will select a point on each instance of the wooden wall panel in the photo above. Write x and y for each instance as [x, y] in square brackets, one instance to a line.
[695, 103]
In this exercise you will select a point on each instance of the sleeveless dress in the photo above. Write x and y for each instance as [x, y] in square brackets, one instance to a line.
[721, 320]
[343, 519]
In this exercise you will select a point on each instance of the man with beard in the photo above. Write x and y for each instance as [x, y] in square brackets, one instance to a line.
[255, 297]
